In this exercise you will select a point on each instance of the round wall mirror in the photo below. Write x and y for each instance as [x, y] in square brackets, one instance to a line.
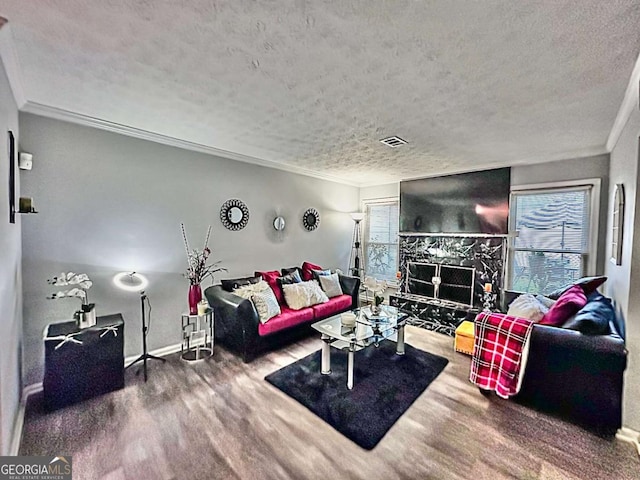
[279, 223]
[234, 214]
[311, 219]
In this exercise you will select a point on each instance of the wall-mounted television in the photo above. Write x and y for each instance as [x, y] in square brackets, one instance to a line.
[474, 202]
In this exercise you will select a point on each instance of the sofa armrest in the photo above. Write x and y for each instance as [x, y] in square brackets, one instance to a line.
[351, 286]
[236, 320]
[578, 375]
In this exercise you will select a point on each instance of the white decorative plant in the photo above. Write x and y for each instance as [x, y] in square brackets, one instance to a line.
[377, 288]
[79, 283]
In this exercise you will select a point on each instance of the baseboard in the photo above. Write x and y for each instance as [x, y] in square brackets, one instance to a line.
[160, 352]
[19, 423]
[630, 436]
[35, 388]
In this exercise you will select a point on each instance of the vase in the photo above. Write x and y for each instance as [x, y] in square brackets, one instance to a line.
[195, 295]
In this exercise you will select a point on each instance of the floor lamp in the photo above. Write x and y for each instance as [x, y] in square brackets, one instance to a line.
[136, 282]
[356, 260]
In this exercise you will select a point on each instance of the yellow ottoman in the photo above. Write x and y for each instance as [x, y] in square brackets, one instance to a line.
[464, 338]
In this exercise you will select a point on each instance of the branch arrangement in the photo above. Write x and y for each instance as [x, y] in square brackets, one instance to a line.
[197, 267]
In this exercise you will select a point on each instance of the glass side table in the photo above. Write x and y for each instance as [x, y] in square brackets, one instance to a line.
[197, 336]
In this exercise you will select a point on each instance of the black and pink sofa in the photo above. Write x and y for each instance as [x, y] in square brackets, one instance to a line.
[238, 326]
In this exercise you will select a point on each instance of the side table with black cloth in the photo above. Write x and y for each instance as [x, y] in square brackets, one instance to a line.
[82, 364]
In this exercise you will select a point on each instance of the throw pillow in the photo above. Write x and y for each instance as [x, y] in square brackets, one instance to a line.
[304, 294]
[527, 306]
[272, 279]
[246, 291]
[266, 305]
[594, 317]
[567, 305]
[306, 270]
[546, 301]
[287, 271]
[293, 277]
[331, 285]
[588, 284]
[231, 284]
[317, 273]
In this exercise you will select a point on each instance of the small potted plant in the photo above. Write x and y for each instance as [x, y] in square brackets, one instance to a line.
[79, 283]
[377, 288]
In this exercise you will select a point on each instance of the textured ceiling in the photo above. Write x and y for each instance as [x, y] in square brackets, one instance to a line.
[316, 84]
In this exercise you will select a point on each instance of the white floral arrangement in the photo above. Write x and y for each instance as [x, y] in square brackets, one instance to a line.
[79, 283]
[377, 288]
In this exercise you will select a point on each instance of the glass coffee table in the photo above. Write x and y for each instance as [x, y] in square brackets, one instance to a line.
[369, 330]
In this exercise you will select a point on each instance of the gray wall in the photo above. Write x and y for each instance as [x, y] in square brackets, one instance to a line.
[625, 279]
[10, 277]
[111, 203]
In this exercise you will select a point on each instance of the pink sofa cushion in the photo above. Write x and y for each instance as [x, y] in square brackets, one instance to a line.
[307, 274]
[333, 306]
[569, 303]
[287, 318]
[272, 279]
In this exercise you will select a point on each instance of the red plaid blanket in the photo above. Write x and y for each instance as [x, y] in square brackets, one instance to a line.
[500, 353]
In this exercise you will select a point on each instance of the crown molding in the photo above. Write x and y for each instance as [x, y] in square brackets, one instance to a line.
[9, 59]
[534, 160]
[629, 103]
[94, 122]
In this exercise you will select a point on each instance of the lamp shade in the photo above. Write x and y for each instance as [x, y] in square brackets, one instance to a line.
[130, 281]
[357, 216]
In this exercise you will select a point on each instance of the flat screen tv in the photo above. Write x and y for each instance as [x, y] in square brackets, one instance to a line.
[474, 202]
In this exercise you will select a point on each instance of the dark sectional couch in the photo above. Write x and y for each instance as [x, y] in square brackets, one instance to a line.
[238, 327]
[577, 375]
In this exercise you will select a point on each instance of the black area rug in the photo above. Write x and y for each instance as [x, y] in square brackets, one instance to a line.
[385, 386]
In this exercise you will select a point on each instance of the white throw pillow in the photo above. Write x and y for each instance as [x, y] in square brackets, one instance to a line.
[546, 301]
[303, 294]
[246, 291]
[330, 284]
[527, 306]
[266, 304]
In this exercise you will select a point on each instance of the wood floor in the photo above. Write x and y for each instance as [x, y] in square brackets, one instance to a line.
[220, 419]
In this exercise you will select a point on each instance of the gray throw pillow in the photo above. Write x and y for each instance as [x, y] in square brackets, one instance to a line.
[330, 284]
[266, 305]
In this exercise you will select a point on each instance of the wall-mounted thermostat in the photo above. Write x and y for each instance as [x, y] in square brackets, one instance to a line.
[25, 161]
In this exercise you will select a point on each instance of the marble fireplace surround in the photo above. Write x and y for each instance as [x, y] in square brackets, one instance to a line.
[485, 253]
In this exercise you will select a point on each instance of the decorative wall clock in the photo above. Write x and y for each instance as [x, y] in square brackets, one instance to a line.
[234, 214]
[311, 219]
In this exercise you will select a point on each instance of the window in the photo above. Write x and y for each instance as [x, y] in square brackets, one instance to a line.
[381, 239]
[554, 245]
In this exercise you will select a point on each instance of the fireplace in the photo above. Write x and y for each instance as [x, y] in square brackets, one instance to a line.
[463, 263]
[444, 282]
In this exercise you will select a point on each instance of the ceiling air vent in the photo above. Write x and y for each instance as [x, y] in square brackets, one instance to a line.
[393, 142]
